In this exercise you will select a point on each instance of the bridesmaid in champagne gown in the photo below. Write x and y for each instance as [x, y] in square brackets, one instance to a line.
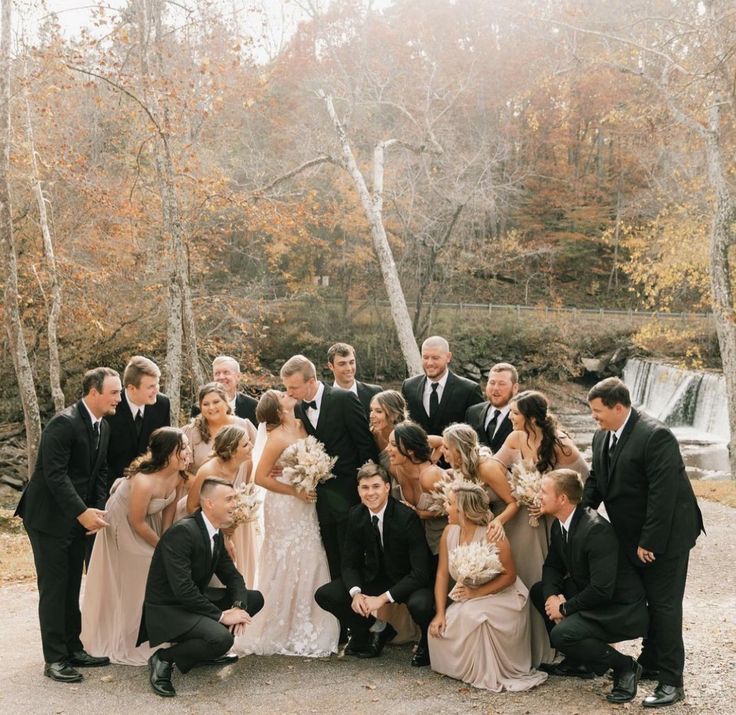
[231, 452]
[482, 638]
[140, 508]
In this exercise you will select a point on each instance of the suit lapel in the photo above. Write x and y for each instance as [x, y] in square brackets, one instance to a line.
[420, 394]
[301, 413]
[210, 561]
[567, 547]
[84, 416]
[446, 394]
[323, 407]
[633, 417]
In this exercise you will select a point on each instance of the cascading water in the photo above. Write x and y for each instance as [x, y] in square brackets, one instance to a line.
[680, 398]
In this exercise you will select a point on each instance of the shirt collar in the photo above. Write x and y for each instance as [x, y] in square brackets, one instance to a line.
[95, 420]
[379, 514]
[317, 399]
[441, 382]
[232, 403]
[568, 521]
[134, 409]
[211, 531]
[502, 412]
[353, 388]
[621, 428]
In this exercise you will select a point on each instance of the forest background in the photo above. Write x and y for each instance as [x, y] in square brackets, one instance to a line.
[177, 184]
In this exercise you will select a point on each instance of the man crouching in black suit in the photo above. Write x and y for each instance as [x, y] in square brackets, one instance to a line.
[589, 595]
[176, 608]
[385, 559]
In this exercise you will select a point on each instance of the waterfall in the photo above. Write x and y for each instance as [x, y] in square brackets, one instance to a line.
[680, 398]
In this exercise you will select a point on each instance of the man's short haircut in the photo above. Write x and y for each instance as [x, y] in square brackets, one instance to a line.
[226, 358]
[370, 469]
[298, 364]
[137, 368]
[611, 392]
[96, 378]
[505, 367]
[567, 482]
[210, 484]
[341, 350]
[436, 341]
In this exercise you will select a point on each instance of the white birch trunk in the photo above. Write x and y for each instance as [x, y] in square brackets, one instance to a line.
[373, 208]
[13, 325]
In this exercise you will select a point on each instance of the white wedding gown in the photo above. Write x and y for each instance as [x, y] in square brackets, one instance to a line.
[292, 565]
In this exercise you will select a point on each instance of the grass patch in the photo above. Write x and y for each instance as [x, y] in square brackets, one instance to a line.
[724, 492]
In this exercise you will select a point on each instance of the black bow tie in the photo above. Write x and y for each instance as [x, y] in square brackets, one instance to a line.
[311, 404]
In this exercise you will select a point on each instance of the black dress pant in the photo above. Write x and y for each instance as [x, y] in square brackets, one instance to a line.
[584, 641]
[663, 648]
[59, 561]
[207, 640]
[334, 598]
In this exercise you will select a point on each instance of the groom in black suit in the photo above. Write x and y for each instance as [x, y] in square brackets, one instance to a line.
[491, 419]
[142, 410]
[336, 418]
[639, 475]
[385, 560]
[589, 595]
[61, 505]
[179, 608]
[439, 397]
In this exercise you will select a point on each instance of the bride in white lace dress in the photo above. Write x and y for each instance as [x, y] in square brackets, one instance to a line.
[292, 562]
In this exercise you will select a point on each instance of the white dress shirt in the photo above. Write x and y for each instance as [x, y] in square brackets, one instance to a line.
[134, 409]
[312, 414]
[428, 390]
[619, 431]
[502, 412]
[566, 524]
[95, 420]
[380, 515]
[211, 531]
[353, 388]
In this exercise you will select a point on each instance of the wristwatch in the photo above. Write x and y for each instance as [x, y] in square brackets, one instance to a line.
[238, 604]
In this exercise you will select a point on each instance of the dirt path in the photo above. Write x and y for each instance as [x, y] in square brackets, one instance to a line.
[346, 685]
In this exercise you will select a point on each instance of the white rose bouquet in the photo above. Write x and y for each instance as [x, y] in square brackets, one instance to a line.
[306, 464]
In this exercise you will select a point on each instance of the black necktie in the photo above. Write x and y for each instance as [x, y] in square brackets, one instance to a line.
[564, 535]
[491, 428]
[215, 542]
[138, 422]
[434, 401]
[311, 404]
[613, 443]
[96, 428]
[377, 532]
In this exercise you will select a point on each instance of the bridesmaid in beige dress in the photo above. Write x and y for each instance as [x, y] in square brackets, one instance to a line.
[230, 460]
[140, 508]
[215, 413]
[538, 442]
[482, 638]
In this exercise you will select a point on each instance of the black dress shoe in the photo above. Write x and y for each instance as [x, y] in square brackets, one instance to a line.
[344, 635]
[420, 657]
[62, 672]
[82, 659]
[356, 645]
[567, 670]
[376, 641]
[663, 695]
[227, 659]
[625, 683]
[160, 676]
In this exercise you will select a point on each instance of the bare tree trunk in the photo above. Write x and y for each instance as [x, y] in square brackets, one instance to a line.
[721, 240]
[13, 325]
[373, 208]
[613, 276]
[57, 394]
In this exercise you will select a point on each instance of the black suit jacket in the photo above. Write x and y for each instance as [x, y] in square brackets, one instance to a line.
[459, 394]
[365, 394]
[343, 429]
[245, 407]
[69, 476]
[406, 556]
[605, 584]
[645, 489]
[182, 565]
[476, 418]
[125, 445]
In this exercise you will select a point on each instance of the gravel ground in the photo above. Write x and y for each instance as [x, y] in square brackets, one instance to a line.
[346, 685]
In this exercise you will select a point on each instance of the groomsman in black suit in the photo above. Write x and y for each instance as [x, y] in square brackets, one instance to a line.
[337, 419]
[342, 364]
[226, 371]
[491, 419]
[142, 410]
[639, 475]
[589, 595]
[178, 607]
[385, 560]
[61, 504]
[439, 397]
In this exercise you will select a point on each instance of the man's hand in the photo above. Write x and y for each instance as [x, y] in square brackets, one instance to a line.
[645, 556]
[93, 520]
[373, 603]
[235, 617]
[552, 607]
[358, 605]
